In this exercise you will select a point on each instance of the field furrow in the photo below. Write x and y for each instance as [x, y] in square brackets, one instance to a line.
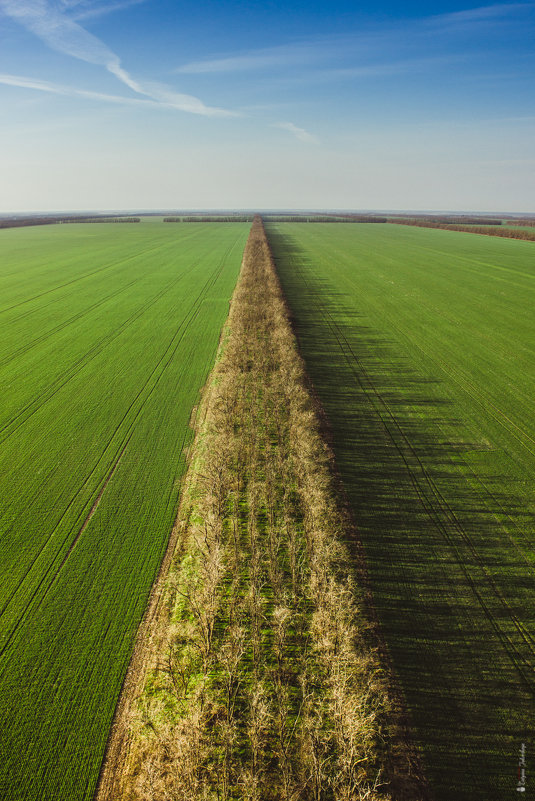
[99, 389]
[423, 358]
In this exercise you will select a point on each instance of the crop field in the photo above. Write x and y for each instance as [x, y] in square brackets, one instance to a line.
[421, 346]
[107, 334]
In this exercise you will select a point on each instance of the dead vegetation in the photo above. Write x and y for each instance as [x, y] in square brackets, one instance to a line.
[260, 682]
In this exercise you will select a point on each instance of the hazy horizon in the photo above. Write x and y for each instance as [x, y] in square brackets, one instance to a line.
[130, 104]
[221, 211]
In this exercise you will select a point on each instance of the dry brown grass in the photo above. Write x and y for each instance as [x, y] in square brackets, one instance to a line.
[259, 680]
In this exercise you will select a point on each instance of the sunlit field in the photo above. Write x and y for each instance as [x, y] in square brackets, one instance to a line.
[107, 335]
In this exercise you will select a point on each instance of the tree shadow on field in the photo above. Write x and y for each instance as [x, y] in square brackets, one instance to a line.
[448, 568]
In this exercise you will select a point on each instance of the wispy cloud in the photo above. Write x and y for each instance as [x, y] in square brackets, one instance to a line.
[166, 99]
[72, 91]
[87, 9]
[66, 36]
[359, 51]
[58, 31]
[381, 69]
[299, 133]
[59, 89]
[265, 58]
[480, 14]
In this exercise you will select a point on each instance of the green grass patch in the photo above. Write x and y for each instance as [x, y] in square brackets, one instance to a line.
[421, 345]
[107, 333]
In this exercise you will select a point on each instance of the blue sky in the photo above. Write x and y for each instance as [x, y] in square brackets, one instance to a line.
[126, 104]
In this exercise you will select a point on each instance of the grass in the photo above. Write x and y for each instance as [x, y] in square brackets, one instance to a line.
[421, 345]
[107, 333]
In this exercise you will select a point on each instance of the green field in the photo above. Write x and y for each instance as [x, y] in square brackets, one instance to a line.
[107, 333]
[421, 345]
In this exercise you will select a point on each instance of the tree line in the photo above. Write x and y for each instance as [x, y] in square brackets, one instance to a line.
[328, 218]
[21, 222]
[210, 218]
[262, 681]
[509, 233]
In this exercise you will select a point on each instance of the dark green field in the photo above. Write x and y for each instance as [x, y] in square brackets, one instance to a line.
[107, 333]
[421, 345]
